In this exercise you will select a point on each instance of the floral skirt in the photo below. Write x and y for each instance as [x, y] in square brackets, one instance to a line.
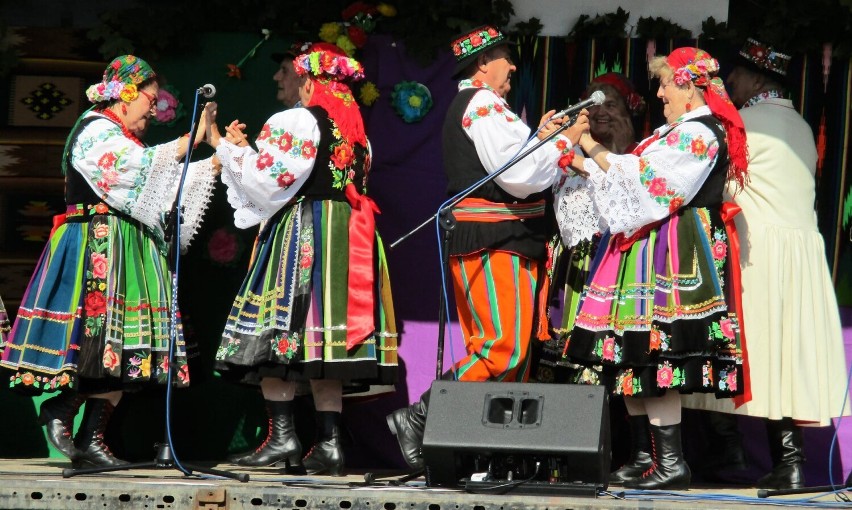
[289, 318]
[96, 313]
[654, 316]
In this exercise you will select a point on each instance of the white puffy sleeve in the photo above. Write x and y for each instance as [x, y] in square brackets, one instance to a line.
[638, 190]
[141, 182]
[498, 134]
[260, 182]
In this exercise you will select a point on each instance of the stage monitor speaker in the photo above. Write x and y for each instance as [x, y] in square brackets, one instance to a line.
[552, 433]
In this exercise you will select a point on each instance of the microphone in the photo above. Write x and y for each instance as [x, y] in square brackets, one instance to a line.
[596, 98]
[207, 90]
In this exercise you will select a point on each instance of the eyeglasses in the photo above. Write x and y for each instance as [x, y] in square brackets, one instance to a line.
[152, 100]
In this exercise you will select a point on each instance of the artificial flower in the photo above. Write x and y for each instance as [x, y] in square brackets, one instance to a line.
[411, 100]
[169, 108]
[368, 93]
[344, 43]
[386, 10]
[329, 32]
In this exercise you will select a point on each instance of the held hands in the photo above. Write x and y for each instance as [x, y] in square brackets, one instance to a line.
[235, 134]
[547, 126]
[208, 117]
[580, 127]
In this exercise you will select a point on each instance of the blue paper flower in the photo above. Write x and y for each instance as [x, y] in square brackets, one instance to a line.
[411, 100]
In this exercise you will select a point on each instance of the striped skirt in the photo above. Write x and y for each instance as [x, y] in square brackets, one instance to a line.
[96, 313]
[654, 315]
[289, 318]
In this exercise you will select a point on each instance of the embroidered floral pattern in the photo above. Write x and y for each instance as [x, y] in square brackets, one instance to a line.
[719, 248]
[728, 379]
[343, 159]
[659, 340]
[95, 301]
[306, 254]
[608, 350]
[287, 143]
[669, 376]
[228, 349]
[286, 347]
[626, 384]
[707, 374]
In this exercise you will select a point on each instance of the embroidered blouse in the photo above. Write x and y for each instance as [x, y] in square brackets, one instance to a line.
[141, 182]
[640, 189]
[498, 134]
[261, 182]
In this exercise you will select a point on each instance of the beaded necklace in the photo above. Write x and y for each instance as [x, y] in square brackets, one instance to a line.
[106, 112]
[769, 94]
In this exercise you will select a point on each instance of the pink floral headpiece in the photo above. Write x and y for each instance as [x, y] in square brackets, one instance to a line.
[329, 62]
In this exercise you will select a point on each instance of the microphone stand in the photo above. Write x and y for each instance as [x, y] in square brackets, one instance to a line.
[165, 457]
[448, 222]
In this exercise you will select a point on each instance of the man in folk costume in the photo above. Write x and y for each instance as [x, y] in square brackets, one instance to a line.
[497, 250]
[792, 325]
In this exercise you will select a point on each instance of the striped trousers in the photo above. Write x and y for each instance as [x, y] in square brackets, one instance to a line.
[495, 296]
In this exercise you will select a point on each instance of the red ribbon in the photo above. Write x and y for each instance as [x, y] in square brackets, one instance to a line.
[362, 232]
[729, 210]
[58, 221]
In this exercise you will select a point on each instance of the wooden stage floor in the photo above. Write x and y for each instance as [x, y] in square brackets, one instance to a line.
[39, 484]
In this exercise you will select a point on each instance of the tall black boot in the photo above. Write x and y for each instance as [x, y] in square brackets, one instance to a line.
[726, 443]
[786, 447]
[327, 454]
[281, 443]
[408, 425]
[57, 415]
[669, 469]
[90, 438]
[640, 451]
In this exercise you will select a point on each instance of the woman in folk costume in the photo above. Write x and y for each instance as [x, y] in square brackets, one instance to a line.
[316, 303]
[654, 320]
[95, 319]
[611, 125]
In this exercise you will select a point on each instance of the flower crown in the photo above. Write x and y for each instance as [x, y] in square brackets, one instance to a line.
[323, 64]
[113, 89]
[120, 80]
[698, 71]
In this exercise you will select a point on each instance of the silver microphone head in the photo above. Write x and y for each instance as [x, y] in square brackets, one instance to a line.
[207, 90]
[598, 97]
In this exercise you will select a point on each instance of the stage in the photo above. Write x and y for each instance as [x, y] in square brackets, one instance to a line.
[39, 484]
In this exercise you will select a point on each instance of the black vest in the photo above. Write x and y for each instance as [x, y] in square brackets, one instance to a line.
[710, 193]
[527, 238]
[326, 180]
[77, 190]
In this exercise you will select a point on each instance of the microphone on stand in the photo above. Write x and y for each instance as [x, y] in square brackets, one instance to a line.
[207, 90]
[597, 97]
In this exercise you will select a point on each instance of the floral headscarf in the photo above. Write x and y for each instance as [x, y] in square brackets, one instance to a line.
[120, 81]
[330, 68]
[697, 66]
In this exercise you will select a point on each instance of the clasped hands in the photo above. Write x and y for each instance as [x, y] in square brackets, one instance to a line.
[579, 129]
[209, 130]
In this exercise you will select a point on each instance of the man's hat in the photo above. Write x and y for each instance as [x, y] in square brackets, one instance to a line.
[763, 58]
[470, 44]
[295, 49]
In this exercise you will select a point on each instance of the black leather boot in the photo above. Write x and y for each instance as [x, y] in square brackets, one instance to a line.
[90, 438]
[727, 452]
[408, 424]
[669, 469]
[281, 443]
[326, 456]
[787, 450]
[640, 451]
[57, 415]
